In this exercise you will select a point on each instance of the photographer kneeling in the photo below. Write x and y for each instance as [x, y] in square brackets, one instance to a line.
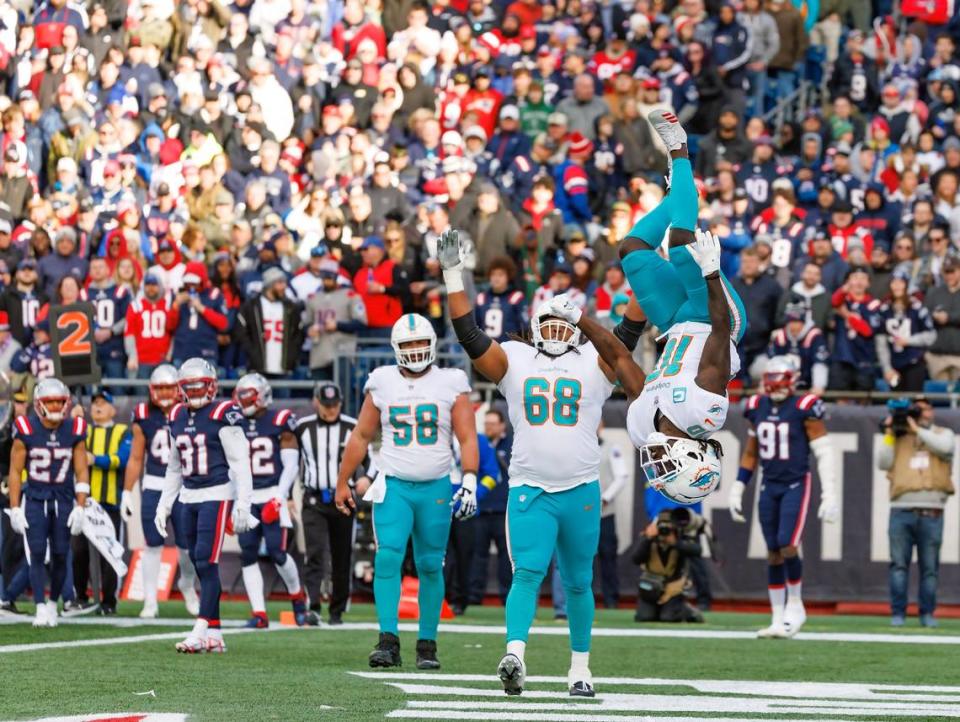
[662, 552]
[917, 457]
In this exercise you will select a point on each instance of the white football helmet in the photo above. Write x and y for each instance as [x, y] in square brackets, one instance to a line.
[252, 394]
[553, 335]
[780, 377]
[198, 382]
[683, 470]
[414, 327]
[49, 392]
[164, 386]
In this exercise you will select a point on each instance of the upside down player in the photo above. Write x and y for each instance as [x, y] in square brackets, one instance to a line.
[209, 467]
[149, 455]
[274, 463]
[418, 407]
[785, 428]
[52, 449]
[555, 389]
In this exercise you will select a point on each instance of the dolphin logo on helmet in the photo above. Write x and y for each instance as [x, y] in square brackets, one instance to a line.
[409, 329]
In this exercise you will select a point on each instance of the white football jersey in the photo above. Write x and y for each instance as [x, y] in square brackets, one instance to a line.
[671, 387]
[555, 404]
[416, 420]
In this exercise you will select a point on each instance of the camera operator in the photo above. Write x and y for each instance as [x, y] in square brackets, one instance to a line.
[917, 457]
[662, 552]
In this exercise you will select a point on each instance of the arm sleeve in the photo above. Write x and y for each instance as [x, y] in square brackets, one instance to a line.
[824, 452]
[172, 480]
[237, 450]
[290, 460]
[941, 441]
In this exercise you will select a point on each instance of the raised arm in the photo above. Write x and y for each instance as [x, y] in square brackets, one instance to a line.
[714, 372]
[486, 354]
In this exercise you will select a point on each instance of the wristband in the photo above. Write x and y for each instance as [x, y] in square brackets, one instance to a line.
[744, 475]
[82, 488]
[453, 279]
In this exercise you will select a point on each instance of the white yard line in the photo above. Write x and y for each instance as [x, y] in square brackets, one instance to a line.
[107, 641]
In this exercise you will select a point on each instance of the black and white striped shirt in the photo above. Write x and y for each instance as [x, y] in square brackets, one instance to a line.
[321, 450]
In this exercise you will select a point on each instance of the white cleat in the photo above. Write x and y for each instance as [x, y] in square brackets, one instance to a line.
[150, 611]
[191, 600]
[580, 684]
[512, 673]
[52, 614]
[42, 616]
[774, 631]
[216, 645]
[794, 617]
[668, 128]
[192, 645]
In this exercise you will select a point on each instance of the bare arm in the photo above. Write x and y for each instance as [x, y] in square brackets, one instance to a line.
[615, 355]
[465, 428]
[18, 459]
[355, 452]
[81, 471]
[493, 362]
[714, 372]
[748, 459]
[135, 462]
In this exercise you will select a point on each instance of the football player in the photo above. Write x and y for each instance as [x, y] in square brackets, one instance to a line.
[275, 463]
[418, 407]
[208, 457]
[149, 456]
[52, 449]
[784, 429]
[555, 388]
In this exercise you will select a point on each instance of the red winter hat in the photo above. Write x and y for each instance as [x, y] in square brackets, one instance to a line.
[880, 123]
[579, 145]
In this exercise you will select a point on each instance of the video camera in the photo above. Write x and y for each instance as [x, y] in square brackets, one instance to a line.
[682, 521]
[900, 410]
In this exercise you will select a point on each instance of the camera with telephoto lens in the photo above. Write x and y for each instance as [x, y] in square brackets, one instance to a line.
[900, 410]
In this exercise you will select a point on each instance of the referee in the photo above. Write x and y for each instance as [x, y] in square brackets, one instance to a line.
[323, 437]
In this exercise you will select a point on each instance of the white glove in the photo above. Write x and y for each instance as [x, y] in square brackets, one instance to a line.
[286, 519]
[18, 520]
[75, 521]
[828, 511]
[450, 251]
[160, 521]
[126, 505]
[243, 520]
[464, 502]
[735, 501]
[705, 251]
[562, 307]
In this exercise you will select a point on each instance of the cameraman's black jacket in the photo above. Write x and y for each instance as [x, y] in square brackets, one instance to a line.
[668, 561]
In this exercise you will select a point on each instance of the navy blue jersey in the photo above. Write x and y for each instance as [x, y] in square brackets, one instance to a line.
[501, 314]
[153, 424]
[808, 349]
[110, 304]
[196, 433]
[757, 179]
[897, 324]
[35, 359]
[194, 335]
[49, 463]
[782, 443]
[853, 340]
[263, 433]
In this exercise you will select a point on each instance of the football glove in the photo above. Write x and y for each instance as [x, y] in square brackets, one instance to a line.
[705, 251]
[18, 520]
[464, 502]
[126, 506]
[450, 251]
[75, 521]
[562, 307]
[735, 501]
[160, 521]
[828, 511]
[243, 520]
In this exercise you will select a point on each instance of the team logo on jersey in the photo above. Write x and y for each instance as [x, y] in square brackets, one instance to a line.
[715, 409]
[680, 395]
[233, 417]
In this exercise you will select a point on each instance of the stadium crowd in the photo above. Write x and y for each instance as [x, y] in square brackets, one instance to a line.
[260, 182]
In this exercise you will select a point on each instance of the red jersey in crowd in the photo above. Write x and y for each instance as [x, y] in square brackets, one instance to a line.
[606, 67]
[151, 325]
[486, 105]
[841, 237]
[347, 39]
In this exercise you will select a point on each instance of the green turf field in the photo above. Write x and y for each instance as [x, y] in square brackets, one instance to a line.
[306, 674]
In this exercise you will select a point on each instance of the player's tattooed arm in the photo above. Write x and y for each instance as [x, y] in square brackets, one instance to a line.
[355, 452]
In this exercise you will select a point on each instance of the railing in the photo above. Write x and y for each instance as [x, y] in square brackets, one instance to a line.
[792, 108]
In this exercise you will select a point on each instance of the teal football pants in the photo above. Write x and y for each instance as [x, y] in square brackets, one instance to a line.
[672, 292]
[420, 509]
[539, 522]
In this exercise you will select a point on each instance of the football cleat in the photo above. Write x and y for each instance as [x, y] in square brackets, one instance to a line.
[9, 609]
[52, 620]
[427, 654]
[216, 645]
[192, 645]
[794, 616]
[312, 618]
[73, 608]
[335, 620]
[299, 604]
[512, 674]
[775, 631]
[582, 688]
[191, 600]
[387, 651]
[150, 610]
[668, 128]
[42, 616]
[259, 620]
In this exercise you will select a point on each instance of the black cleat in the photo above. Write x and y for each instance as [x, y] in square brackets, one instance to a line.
[582, 689]
[335, 620]
[512, 674]
[427, 654]
[387, 651]
[9, 609]
[312, 619]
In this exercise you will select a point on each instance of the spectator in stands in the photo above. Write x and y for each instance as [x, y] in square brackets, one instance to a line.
[383, 286]
[582, 108]
[906, 332]
[269, 330]
[833, 269]
[723, 147]
[201, 315]
[791, 47]
[799, 338]
[63, 262]
[501, 311]
[943, 302]
[857, 320]
[760, 294]
[110, 301]
[333, 317]
[490, 526]
[492, 227]
[149, 328]
[22, 301]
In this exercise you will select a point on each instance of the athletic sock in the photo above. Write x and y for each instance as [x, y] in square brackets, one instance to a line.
[517, 648]
[253, 583]
[580, 662]
[150, 572]
[683, 200]
[776, 590]
[188, 574]
[200, 627]
[288, 573]
[794, 573]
